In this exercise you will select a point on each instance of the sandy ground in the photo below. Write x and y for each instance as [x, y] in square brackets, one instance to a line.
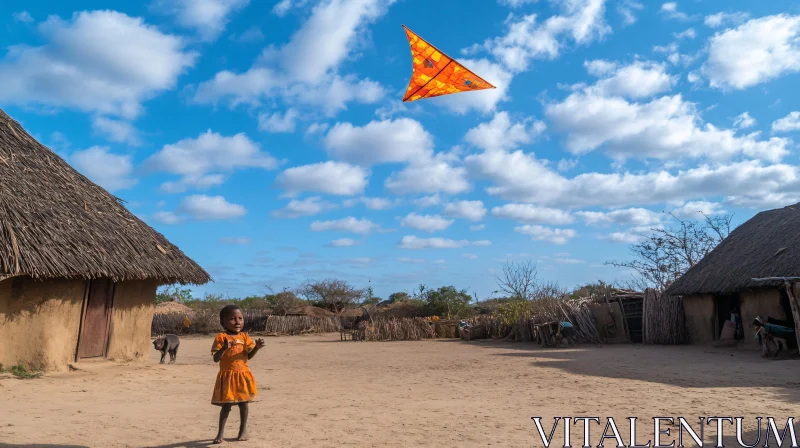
[320, 392]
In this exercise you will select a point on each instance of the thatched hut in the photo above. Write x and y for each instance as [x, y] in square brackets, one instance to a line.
[722, 284]
[78, 271]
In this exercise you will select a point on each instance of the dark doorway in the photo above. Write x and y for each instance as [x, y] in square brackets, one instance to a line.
[632, 310]
[729, 309]
[93, 339]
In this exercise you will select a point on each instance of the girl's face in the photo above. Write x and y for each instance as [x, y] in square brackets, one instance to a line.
[234, 321]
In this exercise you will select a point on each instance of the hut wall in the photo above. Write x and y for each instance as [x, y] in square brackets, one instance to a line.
[761, 302]
[699, 312]
[39, 321]
[131, 320]
[610, 330]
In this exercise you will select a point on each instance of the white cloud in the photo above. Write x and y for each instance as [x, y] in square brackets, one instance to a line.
[521, 177]
[686, 34]
[427, 223]
[428, 201]
[116, 130]
[626, 8]
[200, 161]
[22, 16]
[252, 34]
[516, 3]
[387, 141]
[477, 227]
[304, 71]
[631, 216]
[722, 19]
[550, 235]
[99, 61]
[307, 207]
[665, 128]
[625, 237]
[670, 10]
[329, 177]
[277, 122]
[501, 134]
[470, 256]
[527, 39]
[744, 121]
[371, 203]
[236, 241]
[413, 242]
[343, 242]
[471, 210]
[202, 207]
[429, 176]
[757, 51]
[411, 260]
[533, 214]
[167, 218]
[695, 210]
[207, 17]
[349, 224]
[111, 171]
[788, 123]
[637, 80]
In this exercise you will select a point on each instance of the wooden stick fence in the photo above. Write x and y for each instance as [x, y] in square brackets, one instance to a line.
[292, 325]
[203, 322]
[408, 329]
[664, 321]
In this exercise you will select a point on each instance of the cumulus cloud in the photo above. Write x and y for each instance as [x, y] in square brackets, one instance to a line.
[98, 61]
[413, 242]
[23, 17]
[335, 178]
[788, 123]
[305, 70]
[744, 121]
[236, 241]
[349, 224]
[116, 130]
[533, 214]
[427, 223]
[207, 17]
[721, 19]
[471, 210]
[111, 171]
[277, 122]
[201, 161]
[695, 210]
[755, 52]
[628, 9]
[665, 128]
[630, 216]
[307, 207]
[372, 203]
[343, 242]
[548, 234]
[501, 134]
[386, 141]
[426, 176]
[202, 207]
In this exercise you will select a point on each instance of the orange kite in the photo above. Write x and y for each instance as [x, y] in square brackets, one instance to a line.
[436, 74]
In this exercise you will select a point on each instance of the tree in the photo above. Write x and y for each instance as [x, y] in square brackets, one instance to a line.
[370, 298]
[174, 294]
[666, 254]
[282, 302]
[448, 301]
[518, 280]
[398, 297]
[335, 295]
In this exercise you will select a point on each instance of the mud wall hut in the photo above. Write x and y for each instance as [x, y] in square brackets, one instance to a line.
[78, 271]
[722, 285]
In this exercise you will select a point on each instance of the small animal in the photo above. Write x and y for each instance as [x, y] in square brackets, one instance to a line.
[167, 344]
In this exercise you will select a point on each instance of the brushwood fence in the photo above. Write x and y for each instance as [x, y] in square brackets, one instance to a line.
[664, 319]
[293, 325]
[405, 329]
[204, 322]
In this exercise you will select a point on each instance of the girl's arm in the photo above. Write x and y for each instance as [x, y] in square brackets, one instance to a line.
[259, 345]
[218, 354]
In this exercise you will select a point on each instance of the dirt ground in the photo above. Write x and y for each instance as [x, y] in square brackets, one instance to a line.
[319, 392]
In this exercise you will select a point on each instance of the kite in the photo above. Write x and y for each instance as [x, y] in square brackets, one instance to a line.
[436, 74]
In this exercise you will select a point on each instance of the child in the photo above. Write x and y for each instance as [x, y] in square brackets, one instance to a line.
[235, 383]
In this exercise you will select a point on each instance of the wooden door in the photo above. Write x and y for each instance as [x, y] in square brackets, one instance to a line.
[96, 317]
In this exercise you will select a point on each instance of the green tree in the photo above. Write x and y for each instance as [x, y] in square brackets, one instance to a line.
[398, 297]
[448, 302]
[174, 293]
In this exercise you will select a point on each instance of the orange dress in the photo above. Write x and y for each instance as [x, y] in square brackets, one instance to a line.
[235, 383]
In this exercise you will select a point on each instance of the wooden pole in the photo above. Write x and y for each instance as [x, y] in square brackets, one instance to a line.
[790, 289]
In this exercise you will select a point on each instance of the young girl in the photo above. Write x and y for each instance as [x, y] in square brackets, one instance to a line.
[235, 383]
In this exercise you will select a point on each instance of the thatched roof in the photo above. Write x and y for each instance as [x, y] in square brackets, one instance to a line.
[765, 246]
[56, 223]
[309, 310]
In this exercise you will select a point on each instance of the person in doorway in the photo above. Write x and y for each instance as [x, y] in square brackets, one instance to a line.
[565, 332]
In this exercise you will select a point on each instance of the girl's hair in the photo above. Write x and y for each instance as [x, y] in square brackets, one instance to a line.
[226, 311]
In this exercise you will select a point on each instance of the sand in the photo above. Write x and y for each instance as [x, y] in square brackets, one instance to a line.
[319, 392]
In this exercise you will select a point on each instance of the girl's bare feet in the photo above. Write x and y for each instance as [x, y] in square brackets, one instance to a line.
[217, 441]
[243, 436]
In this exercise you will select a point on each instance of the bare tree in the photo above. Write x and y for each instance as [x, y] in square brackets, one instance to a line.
[667, 254]
[335, 294]
[518, 280]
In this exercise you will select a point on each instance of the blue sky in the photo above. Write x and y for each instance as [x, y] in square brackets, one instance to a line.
[268, 140]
